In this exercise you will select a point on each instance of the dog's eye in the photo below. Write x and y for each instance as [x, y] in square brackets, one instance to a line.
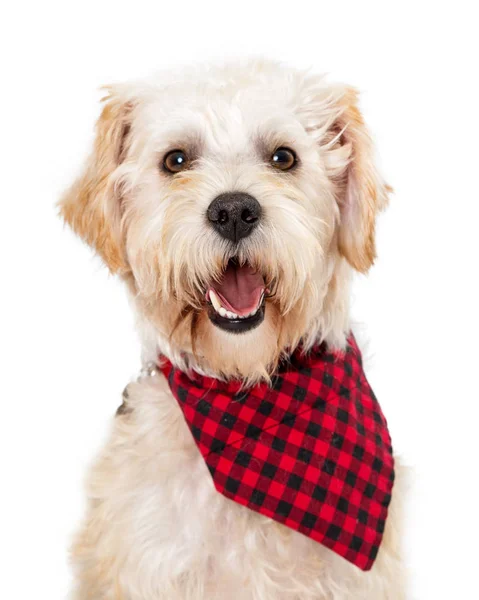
[283, 159]
[175, 161]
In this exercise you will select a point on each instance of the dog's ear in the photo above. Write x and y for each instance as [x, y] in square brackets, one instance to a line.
[361, 192]
[91, 205]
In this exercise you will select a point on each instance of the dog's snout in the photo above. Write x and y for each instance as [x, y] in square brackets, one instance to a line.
[234, 215]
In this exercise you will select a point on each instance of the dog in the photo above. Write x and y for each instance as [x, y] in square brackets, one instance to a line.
[235, 202]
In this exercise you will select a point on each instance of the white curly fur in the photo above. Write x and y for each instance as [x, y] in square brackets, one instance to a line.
[156, 528]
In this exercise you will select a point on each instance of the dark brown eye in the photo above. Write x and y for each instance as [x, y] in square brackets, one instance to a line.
[175, 161]
[283, 159]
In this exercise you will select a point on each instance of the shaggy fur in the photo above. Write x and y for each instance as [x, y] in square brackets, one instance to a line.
[156, 528]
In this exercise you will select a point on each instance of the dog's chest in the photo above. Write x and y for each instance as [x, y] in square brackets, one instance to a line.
[180, 521]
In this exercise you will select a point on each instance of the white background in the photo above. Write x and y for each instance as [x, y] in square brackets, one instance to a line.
[67, 340]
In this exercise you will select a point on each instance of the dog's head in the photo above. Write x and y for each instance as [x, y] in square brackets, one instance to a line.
[234, 202]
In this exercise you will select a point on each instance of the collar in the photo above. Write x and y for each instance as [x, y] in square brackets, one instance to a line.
[311, 450]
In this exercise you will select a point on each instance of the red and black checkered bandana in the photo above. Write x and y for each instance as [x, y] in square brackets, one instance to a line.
[311, 450]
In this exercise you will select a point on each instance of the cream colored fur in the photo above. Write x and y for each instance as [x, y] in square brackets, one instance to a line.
[156, 529]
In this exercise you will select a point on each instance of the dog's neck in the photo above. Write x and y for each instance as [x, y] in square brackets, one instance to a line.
[154, 346]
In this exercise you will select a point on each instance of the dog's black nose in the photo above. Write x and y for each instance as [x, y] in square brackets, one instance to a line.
[234, 215]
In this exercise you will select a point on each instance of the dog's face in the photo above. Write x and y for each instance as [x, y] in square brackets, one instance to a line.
[234, 203]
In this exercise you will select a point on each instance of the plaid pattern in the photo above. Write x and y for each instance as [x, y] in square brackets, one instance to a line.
[311, 451]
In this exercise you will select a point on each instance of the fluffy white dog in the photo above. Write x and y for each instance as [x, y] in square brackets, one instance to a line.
[234, 202]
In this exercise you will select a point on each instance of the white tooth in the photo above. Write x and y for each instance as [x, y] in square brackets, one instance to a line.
[231, 315]
[222, 312]
[215, 301]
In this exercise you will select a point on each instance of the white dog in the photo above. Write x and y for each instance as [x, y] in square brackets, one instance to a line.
[234, 202]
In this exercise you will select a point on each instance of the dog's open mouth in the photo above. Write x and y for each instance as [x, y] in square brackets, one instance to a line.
[237, 300]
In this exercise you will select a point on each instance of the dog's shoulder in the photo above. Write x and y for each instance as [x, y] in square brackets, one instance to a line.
[148, 409]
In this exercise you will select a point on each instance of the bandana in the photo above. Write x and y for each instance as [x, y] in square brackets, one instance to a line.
[311, 450]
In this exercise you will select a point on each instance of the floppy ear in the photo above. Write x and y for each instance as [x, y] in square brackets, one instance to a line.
[361, 192]
[91, 206]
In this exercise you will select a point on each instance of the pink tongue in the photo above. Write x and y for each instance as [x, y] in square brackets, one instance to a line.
[240, 289]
